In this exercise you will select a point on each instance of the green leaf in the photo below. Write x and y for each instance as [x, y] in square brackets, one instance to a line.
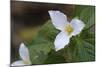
[55, 57]
[48, 31]
[37, 56]
[86, 14]
[82, 46]
[80, 49]
[43, 43]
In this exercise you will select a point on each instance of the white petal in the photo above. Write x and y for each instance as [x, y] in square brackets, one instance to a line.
[18, 63]
[78, 26]
[59, 19]
[23, 51]
[61, 40]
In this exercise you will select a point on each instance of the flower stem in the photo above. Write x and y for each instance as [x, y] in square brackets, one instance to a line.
[67, 55]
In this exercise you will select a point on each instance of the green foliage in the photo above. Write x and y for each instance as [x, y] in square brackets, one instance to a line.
[54, 57]
[86, 14]
[80, 48]
[42, 44]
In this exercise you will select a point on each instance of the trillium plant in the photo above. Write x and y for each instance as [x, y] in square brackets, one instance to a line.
[24, 55]
[68, 29]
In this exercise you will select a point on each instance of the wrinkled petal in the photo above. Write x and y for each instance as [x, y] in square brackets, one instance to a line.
[61, 40]
[59, 19]
[23, 51]
[18, 63]
[78, 26]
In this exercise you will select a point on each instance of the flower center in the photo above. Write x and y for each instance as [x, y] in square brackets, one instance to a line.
[69, 29]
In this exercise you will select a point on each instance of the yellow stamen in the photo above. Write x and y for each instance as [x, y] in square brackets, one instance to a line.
[69, 29]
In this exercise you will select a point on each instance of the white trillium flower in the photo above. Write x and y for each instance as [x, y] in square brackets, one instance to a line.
[24, 55]
[68, 29]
